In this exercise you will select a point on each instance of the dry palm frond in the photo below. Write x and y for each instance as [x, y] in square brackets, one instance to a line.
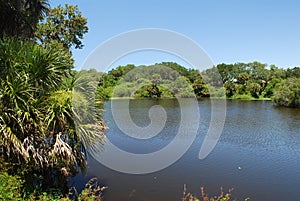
[61, 151]
[12, 142]
[36, 153]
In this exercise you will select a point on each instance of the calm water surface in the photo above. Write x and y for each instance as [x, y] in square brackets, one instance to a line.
[258, 155]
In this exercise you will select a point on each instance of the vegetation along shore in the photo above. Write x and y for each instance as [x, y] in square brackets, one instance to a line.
[250, 81]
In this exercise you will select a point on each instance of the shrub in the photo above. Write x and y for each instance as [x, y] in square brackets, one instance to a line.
[287, 93]
[10, 187]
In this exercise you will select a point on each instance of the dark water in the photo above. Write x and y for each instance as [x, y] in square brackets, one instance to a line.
[258, 154]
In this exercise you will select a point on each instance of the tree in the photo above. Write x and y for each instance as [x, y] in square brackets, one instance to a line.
[226, 71]
[29, 74]
[294, 72]
[258, 71]
[181, 87]
[37, 126]
[242, 78]
[254, 88]
[277, 72]
[176, 67]
[19, 18]
[212, 76]
[230, 89]
[287, 93]
[65, 25]
[269, 89]
[200, 88]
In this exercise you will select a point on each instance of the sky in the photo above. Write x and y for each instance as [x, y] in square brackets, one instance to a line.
[229, 31]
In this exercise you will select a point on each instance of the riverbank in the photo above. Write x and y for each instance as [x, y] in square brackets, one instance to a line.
[241, 97]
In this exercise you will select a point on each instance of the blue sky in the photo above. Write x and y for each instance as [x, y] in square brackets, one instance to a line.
[229, 31]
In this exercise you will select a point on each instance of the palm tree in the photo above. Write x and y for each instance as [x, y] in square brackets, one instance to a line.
[37, 127]
[19, 18]
[22, 89]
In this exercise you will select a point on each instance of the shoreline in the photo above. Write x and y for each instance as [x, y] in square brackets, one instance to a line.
[200, 98]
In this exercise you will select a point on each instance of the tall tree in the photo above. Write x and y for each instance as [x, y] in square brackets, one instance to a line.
[65, 25]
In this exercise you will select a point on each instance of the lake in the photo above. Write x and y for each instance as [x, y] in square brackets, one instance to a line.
[258, 154]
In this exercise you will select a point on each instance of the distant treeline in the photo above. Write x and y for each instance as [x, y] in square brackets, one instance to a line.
[253, 80]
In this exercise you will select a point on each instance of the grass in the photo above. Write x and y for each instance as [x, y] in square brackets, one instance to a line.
[248, 97]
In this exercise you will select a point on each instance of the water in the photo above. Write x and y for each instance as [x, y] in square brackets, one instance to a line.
[258, 154]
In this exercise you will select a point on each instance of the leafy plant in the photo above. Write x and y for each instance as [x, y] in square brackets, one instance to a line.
[10, 187]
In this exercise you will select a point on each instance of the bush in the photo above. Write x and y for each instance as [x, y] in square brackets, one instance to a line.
[287, 93]
[10, 187]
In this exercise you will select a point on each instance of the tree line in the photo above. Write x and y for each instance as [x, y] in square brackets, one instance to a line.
[252, 80]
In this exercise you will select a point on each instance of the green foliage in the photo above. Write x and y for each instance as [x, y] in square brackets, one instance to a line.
[29, 73]
[249, 80]
[216, 92]
[105, 93]
[166, 92]
[240, 80]
[159, 80]
[230, 88]
[294, 72]
[65, 25]
[269, 89]
[37, 125]
[227, 71]
[176, 67]
[10, 187]
[287, 92]
[181, 87]
[243, 96]
[122, 90]
[253, 88]
[212, 76]
[200, 88]
[92, 192]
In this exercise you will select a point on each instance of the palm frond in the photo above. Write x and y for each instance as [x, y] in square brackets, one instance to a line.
[11, 141]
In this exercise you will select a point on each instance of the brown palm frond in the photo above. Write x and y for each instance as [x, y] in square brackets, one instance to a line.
[11, 141]
[61, 151]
